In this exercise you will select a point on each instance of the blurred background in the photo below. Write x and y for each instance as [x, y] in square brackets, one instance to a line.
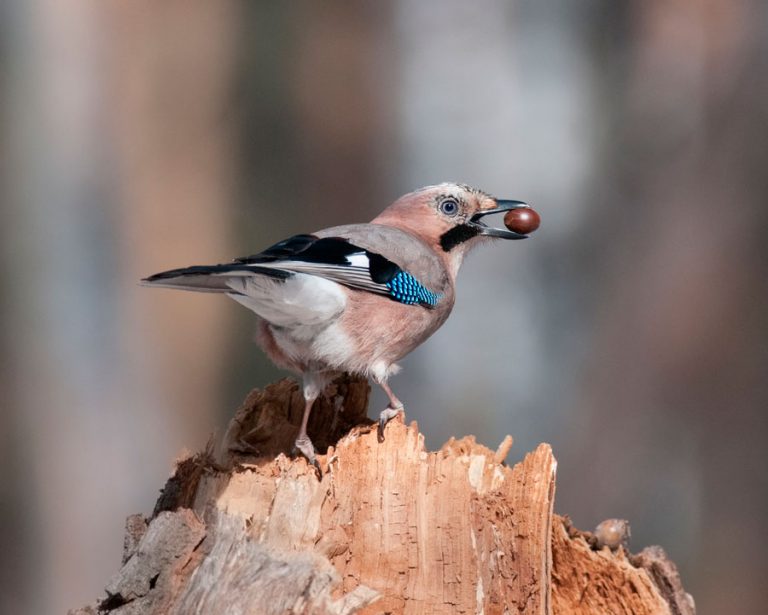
[630, 332]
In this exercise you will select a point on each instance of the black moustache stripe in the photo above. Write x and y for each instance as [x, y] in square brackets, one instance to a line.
[457, 235]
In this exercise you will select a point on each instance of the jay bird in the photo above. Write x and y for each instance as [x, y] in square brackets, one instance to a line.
[355, 298]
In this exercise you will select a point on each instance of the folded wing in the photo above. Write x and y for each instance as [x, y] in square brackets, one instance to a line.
[296, 280]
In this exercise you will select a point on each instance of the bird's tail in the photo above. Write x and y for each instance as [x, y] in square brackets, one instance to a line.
[210, 278]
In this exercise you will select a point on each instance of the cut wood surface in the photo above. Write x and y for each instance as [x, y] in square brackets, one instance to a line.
[387, 527]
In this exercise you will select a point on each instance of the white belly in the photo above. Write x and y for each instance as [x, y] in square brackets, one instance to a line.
[325, 346]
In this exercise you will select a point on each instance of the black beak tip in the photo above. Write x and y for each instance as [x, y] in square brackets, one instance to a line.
[507, 204]
[503, 206]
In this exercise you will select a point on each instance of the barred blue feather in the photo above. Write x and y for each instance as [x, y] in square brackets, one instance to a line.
[403, 287]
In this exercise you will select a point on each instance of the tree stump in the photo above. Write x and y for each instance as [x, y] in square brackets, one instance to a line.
[386, 527]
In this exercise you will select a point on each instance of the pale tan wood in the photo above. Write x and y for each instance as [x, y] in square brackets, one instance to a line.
[387, 527]
[586, 581]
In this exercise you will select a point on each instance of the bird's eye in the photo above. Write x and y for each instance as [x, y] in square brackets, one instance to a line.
[449, 207]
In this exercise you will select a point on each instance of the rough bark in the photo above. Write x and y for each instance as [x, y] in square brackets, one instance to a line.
[387, 527]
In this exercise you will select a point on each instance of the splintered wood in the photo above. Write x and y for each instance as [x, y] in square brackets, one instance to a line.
[586, 580]
[388, 528]
[448, 531]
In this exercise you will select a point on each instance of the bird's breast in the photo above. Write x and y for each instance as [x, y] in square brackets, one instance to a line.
[383, 330]
[370, 335]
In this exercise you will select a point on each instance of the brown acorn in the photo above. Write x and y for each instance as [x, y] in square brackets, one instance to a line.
[523, 220]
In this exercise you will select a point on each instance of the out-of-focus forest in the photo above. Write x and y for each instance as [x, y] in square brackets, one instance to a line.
[631, 331]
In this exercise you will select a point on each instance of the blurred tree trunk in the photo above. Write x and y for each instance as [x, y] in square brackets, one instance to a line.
[116, 147]
[386, 528]
[681, 284]
[174, 156]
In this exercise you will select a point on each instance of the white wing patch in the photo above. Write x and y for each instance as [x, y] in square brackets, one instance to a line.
[358, 260]
[301, 300]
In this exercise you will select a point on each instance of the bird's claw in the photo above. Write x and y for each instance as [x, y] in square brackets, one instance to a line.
[306, 448]
[385, 417]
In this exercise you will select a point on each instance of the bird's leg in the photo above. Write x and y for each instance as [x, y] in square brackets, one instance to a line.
[303, 444]
[314, 383]
[395, 406]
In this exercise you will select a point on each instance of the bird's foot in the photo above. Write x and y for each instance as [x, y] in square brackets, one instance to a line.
[305, 447]
[386, 416]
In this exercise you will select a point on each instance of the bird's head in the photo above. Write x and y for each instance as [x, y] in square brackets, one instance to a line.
[449, 218]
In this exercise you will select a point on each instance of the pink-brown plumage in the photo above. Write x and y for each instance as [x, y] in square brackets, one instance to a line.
[356, 298]
[383, 331]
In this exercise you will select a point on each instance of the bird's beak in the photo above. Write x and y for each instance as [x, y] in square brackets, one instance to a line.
[502, 205]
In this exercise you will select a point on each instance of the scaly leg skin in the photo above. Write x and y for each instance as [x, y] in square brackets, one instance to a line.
[395, 407]
[303, 444]
[314, 383]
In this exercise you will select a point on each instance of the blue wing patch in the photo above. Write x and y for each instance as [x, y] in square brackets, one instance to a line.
[403, 287]
[339, 260]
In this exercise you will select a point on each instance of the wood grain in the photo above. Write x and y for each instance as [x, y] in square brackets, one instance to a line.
[388, 527]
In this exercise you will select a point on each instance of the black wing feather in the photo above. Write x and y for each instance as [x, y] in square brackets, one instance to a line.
[330, 257]
[325, 251]
[288, 248]
[217, 269]
[334, 258]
